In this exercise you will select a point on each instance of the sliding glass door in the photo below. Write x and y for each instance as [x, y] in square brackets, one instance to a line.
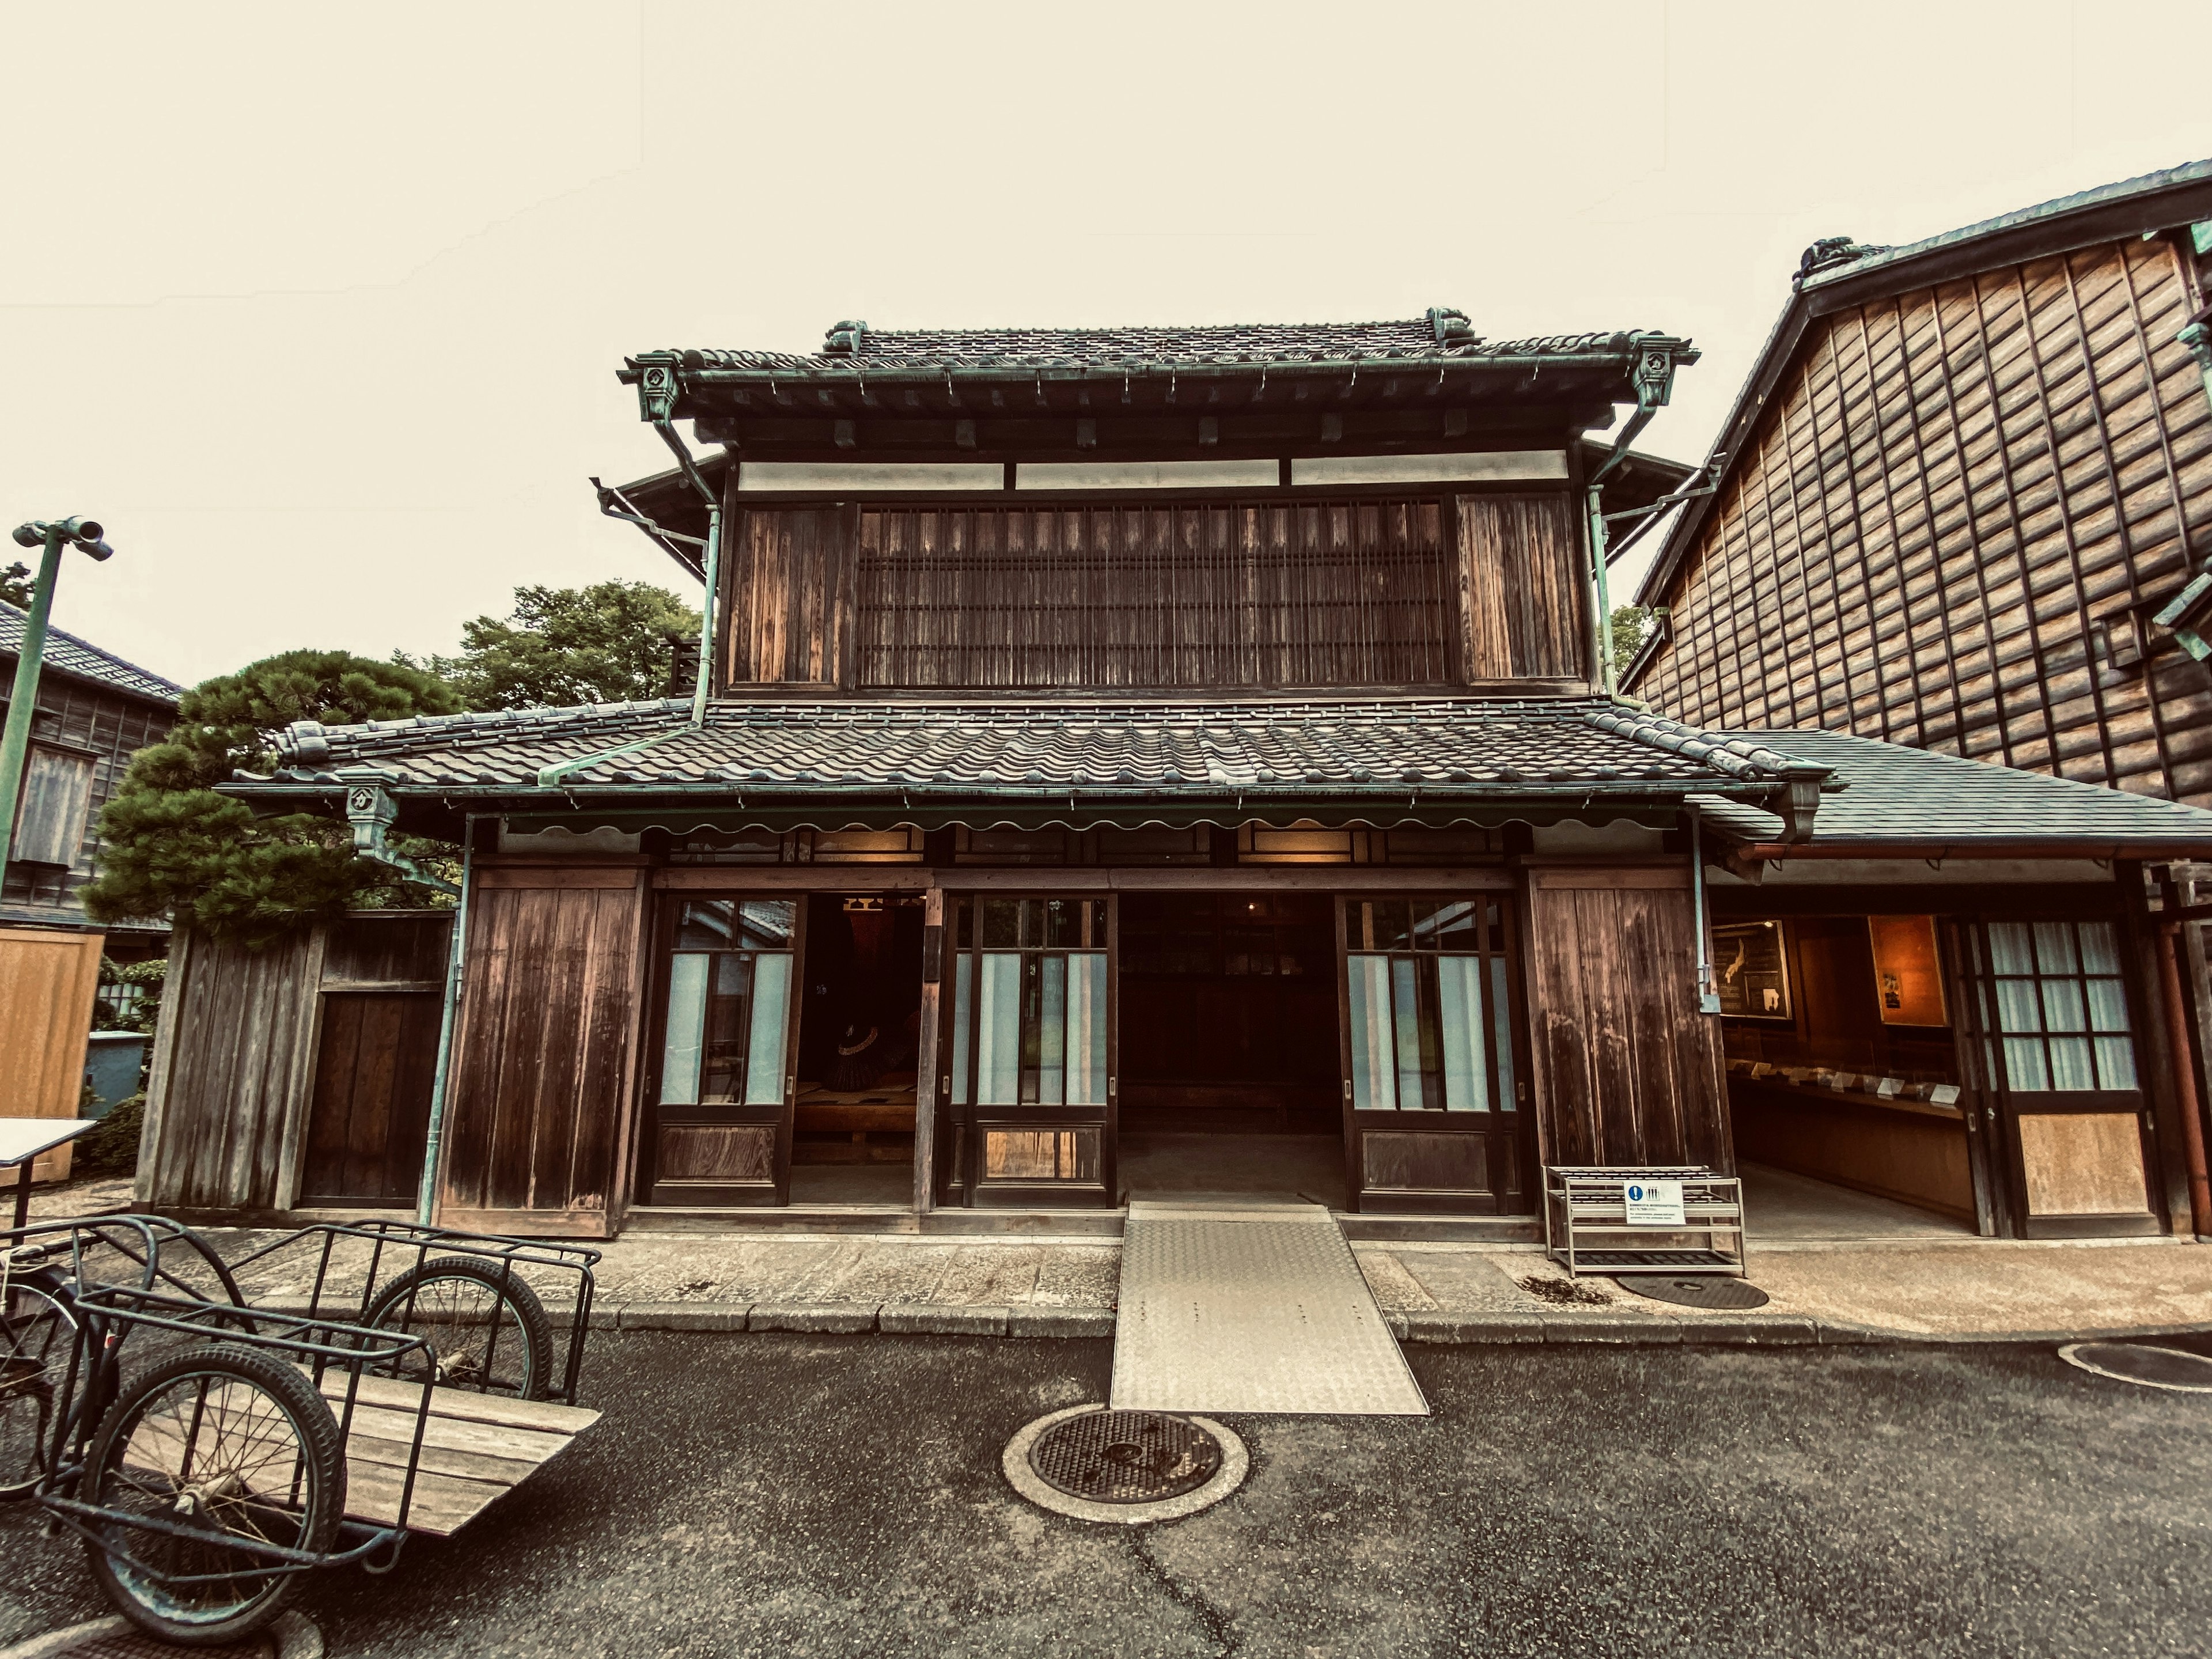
[726, 1059]
[1029, 1072]
[1433, 1080]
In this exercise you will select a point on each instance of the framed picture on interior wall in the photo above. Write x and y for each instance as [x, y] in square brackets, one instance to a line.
[1908, 974]
[1751, 968]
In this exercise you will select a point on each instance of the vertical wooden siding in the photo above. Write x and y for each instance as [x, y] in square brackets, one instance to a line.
[230, 1072]
[1343, 592]
[539, 1107]
[789, 596]
[1526, 614]
[1949, 490]
[48, 979]
[1627, 1069]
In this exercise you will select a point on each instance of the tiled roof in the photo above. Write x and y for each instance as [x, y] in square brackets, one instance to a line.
[1442, 335]
[72, 655]
[1872, 258]
[1303, 746]
[1892, 794]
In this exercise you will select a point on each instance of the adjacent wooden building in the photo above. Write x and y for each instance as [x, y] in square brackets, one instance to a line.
[94, 711]
[1964, 503]
[1150, 760]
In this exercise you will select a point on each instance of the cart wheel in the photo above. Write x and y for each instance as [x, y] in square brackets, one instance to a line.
[236, 1445]
[489, 1328]
[38, 1334]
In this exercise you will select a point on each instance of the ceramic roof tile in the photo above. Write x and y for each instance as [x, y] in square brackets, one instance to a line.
[72, 655]
[1347, 744]
[1890, 793]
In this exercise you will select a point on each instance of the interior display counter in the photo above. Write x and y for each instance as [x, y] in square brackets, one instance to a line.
[1912, 1151]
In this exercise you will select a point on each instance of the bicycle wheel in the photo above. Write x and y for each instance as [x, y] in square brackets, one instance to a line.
[235, 1445]
[489, 1329]
[38, 1334]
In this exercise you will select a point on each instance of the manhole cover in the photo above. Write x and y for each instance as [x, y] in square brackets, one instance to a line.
[1694, 1290]
[2152, 1368]
[1126, 1457]
[1124, 1467]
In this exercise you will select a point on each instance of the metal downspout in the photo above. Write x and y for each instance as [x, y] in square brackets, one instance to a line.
[1709, 999]
[1601, 588]
[668, 436]
[426, 1196]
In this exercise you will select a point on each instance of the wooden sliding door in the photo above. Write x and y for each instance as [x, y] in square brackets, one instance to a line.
[2048, 1011]
[1030, 1053]
[727, 1051]
[1433, 1089]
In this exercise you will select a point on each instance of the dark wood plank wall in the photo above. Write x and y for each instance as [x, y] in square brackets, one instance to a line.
[1950, 489]
[230, 1068]
[788, 594]
[538, 1116]
[80, 716]
[1626, 1070]
[368, 1113]
[1349, 592]
[1521, 563]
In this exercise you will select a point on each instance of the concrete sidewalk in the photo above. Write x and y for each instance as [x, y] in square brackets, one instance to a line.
[1452, 1293]
[1944, 1290]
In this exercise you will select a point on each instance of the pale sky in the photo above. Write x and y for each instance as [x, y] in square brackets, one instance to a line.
[318, 308]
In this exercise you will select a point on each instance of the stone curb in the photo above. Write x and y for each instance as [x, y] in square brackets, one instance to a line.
[1436, 1327]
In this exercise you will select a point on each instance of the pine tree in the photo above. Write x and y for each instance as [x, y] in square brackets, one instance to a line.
[563, 646]
[172, 846]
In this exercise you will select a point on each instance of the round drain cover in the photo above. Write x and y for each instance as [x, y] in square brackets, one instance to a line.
[1694, 1290]
[1125, 1467]
[2153, 1368]
[1126, 1457]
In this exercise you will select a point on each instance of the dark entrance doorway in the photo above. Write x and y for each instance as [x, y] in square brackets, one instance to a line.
[1228, 1044]
[370, 1113]
[853, 1130]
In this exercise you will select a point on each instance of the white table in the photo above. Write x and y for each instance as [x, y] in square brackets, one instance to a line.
[23, 1140]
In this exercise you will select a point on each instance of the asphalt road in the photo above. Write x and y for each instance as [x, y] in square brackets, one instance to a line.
[842, 1496]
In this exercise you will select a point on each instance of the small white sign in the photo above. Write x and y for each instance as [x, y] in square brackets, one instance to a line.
[1653, 1203]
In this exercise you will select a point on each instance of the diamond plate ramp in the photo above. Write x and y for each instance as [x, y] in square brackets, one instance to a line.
[1251, 1307]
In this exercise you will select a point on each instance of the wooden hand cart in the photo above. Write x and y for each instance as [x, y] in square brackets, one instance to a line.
[244, 1446]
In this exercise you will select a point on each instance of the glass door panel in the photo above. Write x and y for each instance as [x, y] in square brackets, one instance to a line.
[724, 1090]
[2050, 1009]
[1031, 1082]
[1433, 1119]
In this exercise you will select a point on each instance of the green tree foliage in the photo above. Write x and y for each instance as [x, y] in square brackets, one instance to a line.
[15, 585]
[171, 845]
[564, 646]
[1631, 626]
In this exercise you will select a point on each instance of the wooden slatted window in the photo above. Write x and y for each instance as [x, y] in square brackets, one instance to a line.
[56, 797]
[1322, 592]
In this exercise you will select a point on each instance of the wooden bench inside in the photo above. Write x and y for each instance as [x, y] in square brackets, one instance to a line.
[855, 1126]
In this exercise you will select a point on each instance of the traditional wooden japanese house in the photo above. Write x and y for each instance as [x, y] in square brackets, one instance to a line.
[1125, 760]
[1964, 503]
[94, 710]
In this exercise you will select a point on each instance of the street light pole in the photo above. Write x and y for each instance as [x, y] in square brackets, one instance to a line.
[22, 701]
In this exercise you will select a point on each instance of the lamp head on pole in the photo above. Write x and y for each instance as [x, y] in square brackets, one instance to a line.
[86, 533]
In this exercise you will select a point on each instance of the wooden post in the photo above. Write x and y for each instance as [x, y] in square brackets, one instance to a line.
[934, 957]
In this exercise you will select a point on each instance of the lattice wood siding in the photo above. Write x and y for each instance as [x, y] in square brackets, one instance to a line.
[80, 716]
[1952, 488]
[1338, 592]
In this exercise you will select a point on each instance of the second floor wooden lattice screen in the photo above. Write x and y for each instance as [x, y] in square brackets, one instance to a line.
[1323, 593]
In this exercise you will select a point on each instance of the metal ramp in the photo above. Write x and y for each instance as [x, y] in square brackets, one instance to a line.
[1242, 1304]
